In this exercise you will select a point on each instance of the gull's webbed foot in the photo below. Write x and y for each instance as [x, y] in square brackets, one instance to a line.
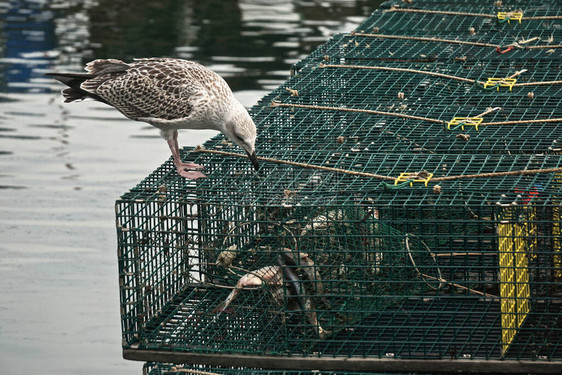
[190, 175]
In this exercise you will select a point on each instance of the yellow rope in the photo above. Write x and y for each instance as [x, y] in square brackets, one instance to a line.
[398, 70]
[425, 39]
[369, 111]
[545, 46]
[543, 18]
[297, 164]
[498, 174]
[378, 176]
[405, 70]
[519, 122]
[539, 83]
[393, 9]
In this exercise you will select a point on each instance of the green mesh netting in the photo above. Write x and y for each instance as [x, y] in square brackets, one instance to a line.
[390, 21]
[432, 240]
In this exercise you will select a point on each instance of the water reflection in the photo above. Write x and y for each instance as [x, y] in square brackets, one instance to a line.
[259, 37]
[151, 28]
[28, 32]
[63, 166]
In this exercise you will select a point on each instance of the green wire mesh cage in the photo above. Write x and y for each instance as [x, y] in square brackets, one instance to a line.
[465, 17]
[407, 213]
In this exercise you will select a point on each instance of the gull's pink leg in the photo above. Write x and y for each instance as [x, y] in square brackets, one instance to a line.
[181, 167]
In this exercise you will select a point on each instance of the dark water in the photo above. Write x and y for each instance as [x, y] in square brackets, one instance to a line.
[63, 166]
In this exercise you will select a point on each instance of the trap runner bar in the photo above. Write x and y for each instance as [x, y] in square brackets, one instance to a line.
[304, 366]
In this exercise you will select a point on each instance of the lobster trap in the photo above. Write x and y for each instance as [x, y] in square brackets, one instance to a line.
[406, 217]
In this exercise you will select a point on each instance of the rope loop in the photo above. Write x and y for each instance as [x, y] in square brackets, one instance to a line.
[422, 174]
[506, 19]
[483, 87]
[499, 49]
[460, 125]
[397, 186]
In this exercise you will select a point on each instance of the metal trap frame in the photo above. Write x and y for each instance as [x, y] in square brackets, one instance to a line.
[151, 368]
[377, 236]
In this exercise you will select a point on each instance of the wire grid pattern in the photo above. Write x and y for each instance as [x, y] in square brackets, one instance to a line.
[292, 186]
[462, 5]
[302, 262]
[155, 241]
[397, 22]
[360, 47]
[407, 94]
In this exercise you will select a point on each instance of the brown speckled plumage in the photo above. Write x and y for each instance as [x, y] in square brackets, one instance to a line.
[153, 87]
[169, 94]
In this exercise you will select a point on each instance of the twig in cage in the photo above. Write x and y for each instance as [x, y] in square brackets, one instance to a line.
[397, 9]
[490, 109]
[457, 254]
[441, 280]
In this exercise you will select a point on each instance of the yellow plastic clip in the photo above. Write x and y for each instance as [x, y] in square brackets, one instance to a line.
[508, 16]
[462, 121]
[497, 82]
[414, 177]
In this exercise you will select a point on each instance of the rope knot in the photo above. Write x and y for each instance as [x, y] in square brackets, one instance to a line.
[422, 175]
[499, 50]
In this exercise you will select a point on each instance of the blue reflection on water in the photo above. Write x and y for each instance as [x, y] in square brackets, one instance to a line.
[28, 35]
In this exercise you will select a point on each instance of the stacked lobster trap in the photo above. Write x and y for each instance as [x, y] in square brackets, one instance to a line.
[407, 215]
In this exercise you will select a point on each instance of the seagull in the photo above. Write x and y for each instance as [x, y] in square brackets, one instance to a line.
[169, 94]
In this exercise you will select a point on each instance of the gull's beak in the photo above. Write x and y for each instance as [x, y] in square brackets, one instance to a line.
[254, 159]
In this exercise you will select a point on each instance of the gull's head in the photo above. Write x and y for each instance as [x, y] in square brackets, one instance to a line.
[241, 129]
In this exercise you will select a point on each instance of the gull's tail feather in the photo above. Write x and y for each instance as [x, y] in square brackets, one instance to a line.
[74, 82]
[106, 66]
[84, 85]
